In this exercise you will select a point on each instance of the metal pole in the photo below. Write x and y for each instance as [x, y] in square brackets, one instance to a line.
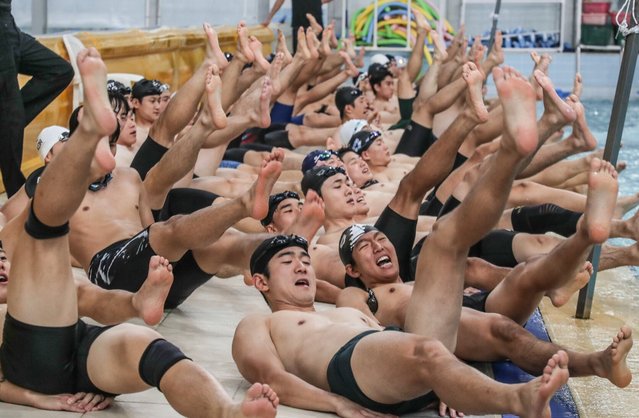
[152, 17]
[611, 152]
[39, 16]
[491, 41]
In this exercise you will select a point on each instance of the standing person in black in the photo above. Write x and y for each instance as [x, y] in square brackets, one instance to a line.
[300, 9]
[22, 54]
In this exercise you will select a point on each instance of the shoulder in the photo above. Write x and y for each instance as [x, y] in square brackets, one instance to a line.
[350, 296]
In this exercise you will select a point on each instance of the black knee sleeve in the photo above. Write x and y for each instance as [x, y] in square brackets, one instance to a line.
[278, 139]
[545, 218]
[157, 359]
[38, 230]
[459, 160]
[448, 207]
[149, 154]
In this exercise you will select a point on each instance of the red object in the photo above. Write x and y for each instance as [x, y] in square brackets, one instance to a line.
[624, 16]
[594, 18]
[599, 7]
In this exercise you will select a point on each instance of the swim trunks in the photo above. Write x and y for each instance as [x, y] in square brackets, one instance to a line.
[49, 360]
[341, 381]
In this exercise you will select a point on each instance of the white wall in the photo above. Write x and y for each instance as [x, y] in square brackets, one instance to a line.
[65, 15]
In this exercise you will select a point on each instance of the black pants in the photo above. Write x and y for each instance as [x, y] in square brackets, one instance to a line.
[20, 53]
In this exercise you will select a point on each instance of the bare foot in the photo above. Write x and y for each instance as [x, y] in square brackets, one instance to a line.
[256, 104]
[302, 46]
[281, 47]
[256, 47]
[265, 103]
[310, 219]
[149, 300]
[600, 203]
[581, 138]
[613, 359]
[518, 99]
[243, 42]
[325, 45]
[351, 69]
[537, 393]
[496, 54]
[314, 25]
[256, 199]
[474, 98]
[625, 204]
[632, 225]
[214, 96]
[274, 74]
[458, 43]
[476, 46]
[440, 48]
[559, 297]
[577, 86]
[556, 110]
[98, 119]
[621, 165]
[313, 43]
[213, 50]
[541, 63]
[260, 402]
[422, 24]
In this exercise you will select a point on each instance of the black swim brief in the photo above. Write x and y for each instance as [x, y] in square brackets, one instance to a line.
[123, 264]
[342, 382]
[476, 301]
[49, 360]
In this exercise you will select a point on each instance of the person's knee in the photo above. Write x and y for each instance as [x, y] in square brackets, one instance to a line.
[504, 330]
[428, 353]
[159, 356]
[170, 227]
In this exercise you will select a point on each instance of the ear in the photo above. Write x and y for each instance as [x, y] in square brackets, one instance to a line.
[260, 282]
[352, 271]
[135, 103]
[348, 109]
[48, 157]
[365, 156]
[271, 229]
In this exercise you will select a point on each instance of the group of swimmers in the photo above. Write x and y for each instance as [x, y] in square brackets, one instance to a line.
[419, 209]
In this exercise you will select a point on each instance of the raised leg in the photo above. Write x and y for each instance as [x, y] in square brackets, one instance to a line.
[442, 261]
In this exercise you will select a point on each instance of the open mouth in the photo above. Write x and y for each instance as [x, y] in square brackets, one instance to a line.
[302, 282]
[350, 201]
[384, 261]
[3, 278]
[360, 199]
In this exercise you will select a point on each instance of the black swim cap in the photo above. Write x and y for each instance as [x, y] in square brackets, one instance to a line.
[314, 157]
[144, 87]
[349, 239]
[346, 96]
[267, 249]
[315, 177]
[362, 140]
[274, 201]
